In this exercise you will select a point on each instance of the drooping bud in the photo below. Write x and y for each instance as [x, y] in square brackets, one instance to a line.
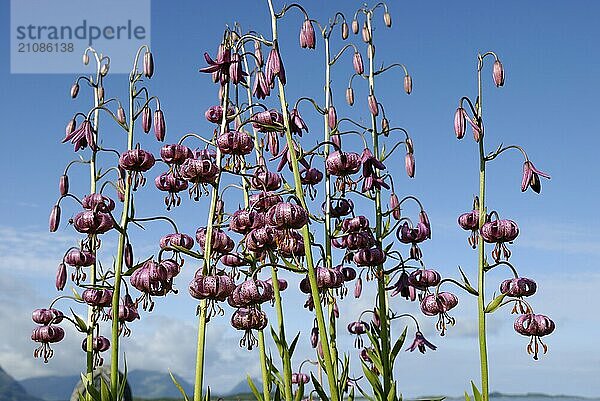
[460, 123]
[54, 218]
[70, 127]
[258, 53]
[101, 94]
[407, 84]
[409, 162]
[160, 127]
[366, 34]
[395, 206]
[314, 337]
[74, 90]
[358, 288]
[376, 319]
[373, 107]
[307, 35]
[146, 119]
[385, 126]
[128, 255]
[355, 26]
[336, 139]
[63, 185]
[86, 59]
[121, 114]
[344, 30]
[104, 69]
[357, 62]
[61, 277]
[331, 117]
[387, 18]
[148, 64]
[350, 96]
[498, 73]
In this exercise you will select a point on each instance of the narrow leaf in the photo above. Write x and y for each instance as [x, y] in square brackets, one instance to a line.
[293, 344]
[494, 304]
[476, 393]
[179, 387]
[398, 346]
[255, 391]
[319, 388]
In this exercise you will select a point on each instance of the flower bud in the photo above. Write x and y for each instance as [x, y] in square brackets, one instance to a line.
[355, 26]
[357, 62]
[336, 139]
[376, 319]
[54, 218]
[460, 123]
[159, 125]
[358, 288]
[395, 206]
[258, 53]
[344, 30]
[407, 84]
[100, 94]
[104, 69]
[409, 145]
[366, 34]
[331, 117]
[385, 126]
[409, 162]
[387, 18]
[146, 122]
[373, 107]
[350, 96]
[498, 73]
[314, 337]
[307, 35]
[148, 65]
[74, 90]
[86, 59]
[70, 127]
[61, 277]
[121, 114]
[63, 185]
[128, 255]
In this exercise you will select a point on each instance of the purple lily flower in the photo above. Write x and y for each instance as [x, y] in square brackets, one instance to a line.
[531, 177]
[421, 342]
[82, 136]
[274, 68]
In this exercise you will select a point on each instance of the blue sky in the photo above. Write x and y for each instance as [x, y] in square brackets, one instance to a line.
[548, 105]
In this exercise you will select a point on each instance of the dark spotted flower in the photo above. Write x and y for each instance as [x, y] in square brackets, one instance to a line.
[89, 222]
[420, 342]
[249, 319]
[499, 232]
[214, 114]
[440, 304]
[536, 327]
[46, 335]
[167, 182]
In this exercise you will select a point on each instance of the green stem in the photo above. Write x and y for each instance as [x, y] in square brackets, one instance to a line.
[305, 232]
[381, 278]
[481, 250]
[114, 362]
[285, 355]
[198, 382]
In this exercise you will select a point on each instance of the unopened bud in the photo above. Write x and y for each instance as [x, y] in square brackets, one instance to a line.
[100, 94]
[337, 140]
[498, 73]
[148, 65]
[61, 277]
[357, 63]
[376, 319]
[460, 123]
[366, 34]
[350, 96]
[344, 30]
[385, 126]
[121, 115]
[358, 288]
[70, 126]
[128, 255]
[74, 90]
[160, 127]
[387, 18]
[373, 106]
[146, 119]
[409, 145]
[409, 163]
[395, 206]
[355, 26]
[331, 117]
[86, 59]
[407, 84]
[63, 185]
[54, 218]
[104, 69]
[258, 53]
[314, 337]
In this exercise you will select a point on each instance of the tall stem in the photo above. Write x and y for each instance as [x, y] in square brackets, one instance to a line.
[305, 232]
[327, 226]
[198, 382]
[481, 247]
[381, 278]
[262, 349]
[285, 357]
[114, 361]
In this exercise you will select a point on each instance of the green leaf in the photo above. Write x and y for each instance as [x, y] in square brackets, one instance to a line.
[207, 395]
[392, 394]
[374, 380]
[300, 392]
[76, 294]
[277, 396]
[179, 387]
[467, 398]
[374, 343]
[398, 346]
[351, 394]
[293, 344]
[105, 390]
[123, 382]
[292, 267]
[476, 393]
[277, 341]
[365, 395]
[464, 276]
[255, 391]
[375, 358]
[129, 272]
[494, 304]
[90, 389]
[319, 388]
[81, 326]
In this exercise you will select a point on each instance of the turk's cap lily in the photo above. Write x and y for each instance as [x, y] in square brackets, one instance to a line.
[420, 342]
[531, 177]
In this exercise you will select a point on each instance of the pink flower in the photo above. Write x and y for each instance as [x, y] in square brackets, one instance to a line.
[531, 177]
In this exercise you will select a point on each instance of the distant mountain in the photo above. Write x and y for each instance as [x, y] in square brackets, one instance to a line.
[11, 390]
[143, 383]
[243, 387]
